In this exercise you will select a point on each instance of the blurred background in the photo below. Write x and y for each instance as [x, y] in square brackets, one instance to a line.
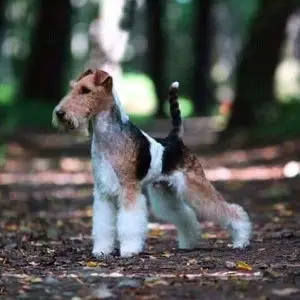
[237, 63]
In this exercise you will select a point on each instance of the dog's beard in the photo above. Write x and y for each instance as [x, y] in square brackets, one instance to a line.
[78, 128]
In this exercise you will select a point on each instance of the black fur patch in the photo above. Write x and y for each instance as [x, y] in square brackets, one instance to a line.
[144, 154]
[173, 154]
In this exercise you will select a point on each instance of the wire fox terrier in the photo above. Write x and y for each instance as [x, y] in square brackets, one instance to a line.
[129, 166]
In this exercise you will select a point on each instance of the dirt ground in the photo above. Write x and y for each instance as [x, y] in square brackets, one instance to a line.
[45, 225]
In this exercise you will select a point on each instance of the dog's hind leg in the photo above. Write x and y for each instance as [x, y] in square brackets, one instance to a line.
[167, 206]
[208, 204]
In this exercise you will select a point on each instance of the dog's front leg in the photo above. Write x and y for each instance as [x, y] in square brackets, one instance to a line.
[104, 224]
[132, 222]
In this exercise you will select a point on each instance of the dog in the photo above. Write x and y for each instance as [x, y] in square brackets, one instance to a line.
[129, 166]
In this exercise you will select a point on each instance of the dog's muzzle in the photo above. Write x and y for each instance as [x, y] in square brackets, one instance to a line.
[60, 114]
[64, 120]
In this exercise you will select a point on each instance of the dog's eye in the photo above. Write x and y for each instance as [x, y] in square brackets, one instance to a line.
[85, 90]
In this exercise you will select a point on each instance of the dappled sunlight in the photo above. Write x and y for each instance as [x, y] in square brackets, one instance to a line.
[73, 174]
[74, 165]
[49, 193]
[245, 174]
[251, 156]
[48, 177]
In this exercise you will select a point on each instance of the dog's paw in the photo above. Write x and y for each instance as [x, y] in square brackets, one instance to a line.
[240, 244]
[101, 252]
[130, 249]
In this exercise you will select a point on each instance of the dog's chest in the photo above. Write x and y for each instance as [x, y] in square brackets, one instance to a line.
[105, 177]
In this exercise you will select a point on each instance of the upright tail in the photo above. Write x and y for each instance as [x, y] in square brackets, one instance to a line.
[177, 127]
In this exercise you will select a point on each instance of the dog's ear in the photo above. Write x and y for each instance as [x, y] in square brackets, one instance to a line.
[104, 79]
[85, 73]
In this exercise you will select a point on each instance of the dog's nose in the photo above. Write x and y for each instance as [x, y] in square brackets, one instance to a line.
[60, 113]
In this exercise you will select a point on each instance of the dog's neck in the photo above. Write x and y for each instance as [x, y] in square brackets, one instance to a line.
[108, 126]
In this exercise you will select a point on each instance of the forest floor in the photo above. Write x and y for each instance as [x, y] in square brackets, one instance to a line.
[45, 226]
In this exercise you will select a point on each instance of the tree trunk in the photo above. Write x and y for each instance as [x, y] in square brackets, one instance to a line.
[43, 77]
[2, 19]
[109, 36]
[155, 11]
[202, 48]
[259, 59]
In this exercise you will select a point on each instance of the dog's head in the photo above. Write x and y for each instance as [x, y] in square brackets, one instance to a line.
[90, 94]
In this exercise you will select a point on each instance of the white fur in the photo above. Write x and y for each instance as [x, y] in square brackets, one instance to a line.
[166, 205]
[101, 122]
[106, 190]
[177, 180]
[240, 228]
[132, 226]
[156, 151]
[105, 178]
[104, 224]
[230, 216]
[175, 85]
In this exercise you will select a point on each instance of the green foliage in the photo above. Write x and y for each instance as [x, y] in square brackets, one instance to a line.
[138, 94]
[7, 92]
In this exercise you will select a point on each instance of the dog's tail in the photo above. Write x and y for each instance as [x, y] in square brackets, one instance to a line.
[177, 126]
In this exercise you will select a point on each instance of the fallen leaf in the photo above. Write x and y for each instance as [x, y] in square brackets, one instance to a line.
[92, 264]
[32, 279]
[166, 254]
[11, 227]
[207, 235]
[155, 233]
[285, 292]
[241, 265]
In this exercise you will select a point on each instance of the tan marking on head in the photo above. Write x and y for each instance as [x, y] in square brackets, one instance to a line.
[90, 94]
